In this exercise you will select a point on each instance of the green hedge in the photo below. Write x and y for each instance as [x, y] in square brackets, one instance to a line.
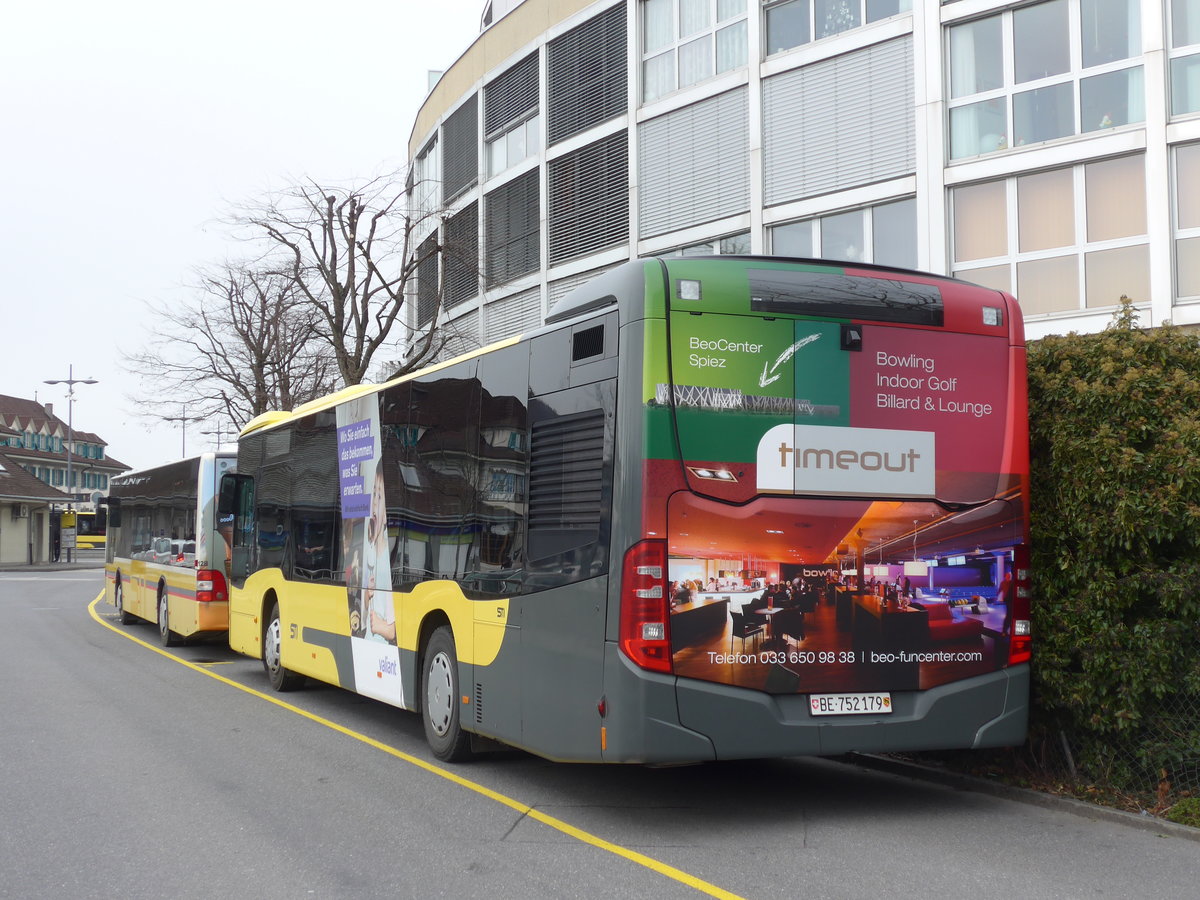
[1115, 487]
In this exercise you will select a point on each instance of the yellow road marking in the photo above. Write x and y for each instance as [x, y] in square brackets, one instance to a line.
[557, 824]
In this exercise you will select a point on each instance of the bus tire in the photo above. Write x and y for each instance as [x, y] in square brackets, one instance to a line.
[439, 699]
[125, 618]
[281, 679]
[166, 636]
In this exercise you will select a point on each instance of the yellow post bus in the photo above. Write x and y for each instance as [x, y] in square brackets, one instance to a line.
[165, 556]
[715, 508]
[90, 529]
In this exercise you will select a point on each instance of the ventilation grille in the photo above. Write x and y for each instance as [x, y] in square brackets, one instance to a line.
[586, 75]
[587, 343]
[478, 703]
[565, 473]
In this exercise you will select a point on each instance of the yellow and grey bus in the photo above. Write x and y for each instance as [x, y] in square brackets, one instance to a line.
[714, 508]
[90, 529]
[165, 557]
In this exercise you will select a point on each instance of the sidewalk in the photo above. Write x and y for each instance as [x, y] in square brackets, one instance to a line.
[63, 566]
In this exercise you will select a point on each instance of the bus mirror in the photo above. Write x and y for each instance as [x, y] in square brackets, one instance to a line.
[114, 511]
[227, 504]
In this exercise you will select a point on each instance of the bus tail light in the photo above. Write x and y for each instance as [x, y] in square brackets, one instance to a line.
[1020, 638]
[645, 611]
[210, 586]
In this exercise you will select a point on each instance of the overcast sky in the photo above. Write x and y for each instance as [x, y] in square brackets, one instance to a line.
[128, 127]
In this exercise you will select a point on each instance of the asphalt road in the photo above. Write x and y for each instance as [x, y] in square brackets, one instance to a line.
[130, 772]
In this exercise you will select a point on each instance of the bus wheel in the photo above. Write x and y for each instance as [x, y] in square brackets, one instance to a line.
[166, 636]
[281, 679]
[123, 617]
[440, 706]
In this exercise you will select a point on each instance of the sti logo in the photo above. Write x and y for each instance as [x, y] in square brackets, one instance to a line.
[862, 462]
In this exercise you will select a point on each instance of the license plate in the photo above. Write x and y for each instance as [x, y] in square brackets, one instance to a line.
[879, 703]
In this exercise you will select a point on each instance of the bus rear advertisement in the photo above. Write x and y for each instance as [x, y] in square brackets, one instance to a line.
[715, 508]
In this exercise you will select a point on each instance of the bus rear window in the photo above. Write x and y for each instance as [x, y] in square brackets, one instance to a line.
[832, 293]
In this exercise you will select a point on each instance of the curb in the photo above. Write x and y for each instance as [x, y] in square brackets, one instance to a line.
[1143, 822]
[54, 567]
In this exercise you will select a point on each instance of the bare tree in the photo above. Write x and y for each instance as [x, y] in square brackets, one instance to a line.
[350, 253]
[243, 345]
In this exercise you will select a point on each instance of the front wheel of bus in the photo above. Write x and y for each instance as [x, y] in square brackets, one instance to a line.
[440, 706]
[166, 636]
[281, 679]
[123, 617]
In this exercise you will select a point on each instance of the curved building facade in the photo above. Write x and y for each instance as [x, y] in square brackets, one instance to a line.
[1049, 148]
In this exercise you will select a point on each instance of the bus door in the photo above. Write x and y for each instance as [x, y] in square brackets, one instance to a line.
[235, 508]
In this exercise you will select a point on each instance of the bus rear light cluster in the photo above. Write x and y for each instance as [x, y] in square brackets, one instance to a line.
[714, 474]
[644, 633]
[210, 586]
[1020, 643]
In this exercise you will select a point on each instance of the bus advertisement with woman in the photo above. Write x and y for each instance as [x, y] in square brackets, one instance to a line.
[715, 508]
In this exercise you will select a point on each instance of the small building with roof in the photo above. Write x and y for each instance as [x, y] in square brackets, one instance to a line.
[26, 511]
[33, 438]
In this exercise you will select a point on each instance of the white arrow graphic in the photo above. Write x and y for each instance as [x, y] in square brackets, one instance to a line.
[787, 354]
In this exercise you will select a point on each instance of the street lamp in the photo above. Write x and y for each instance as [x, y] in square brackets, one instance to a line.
[183, 420]
[218, 431]
[70, 381]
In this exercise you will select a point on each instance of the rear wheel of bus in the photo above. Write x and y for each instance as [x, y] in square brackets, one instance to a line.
[166, 636]
[281, 679]
[125, 618]
[439, 693]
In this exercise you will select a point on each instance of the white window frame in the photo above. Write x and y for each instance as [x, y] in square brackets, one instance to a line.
[672, 47]
[1074, 76]
[868, 230]
[905, 8]
[1079, 249]
[1180, 234]
[1183, 51]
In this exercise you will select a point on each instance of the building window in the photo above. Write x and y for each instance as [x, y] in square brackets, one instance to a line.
[731, 245]
[885, 234]
[1187, 221]
[511, 229]
[428, 290]
[425, 179]
[510, 113]
[792, 23]
[460, 154]
[586, 75]
[1043, 72]
[461, 251]
[694, 164]
[588, 198]
[686, 41]
[1061, 240]
[1185, 56]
